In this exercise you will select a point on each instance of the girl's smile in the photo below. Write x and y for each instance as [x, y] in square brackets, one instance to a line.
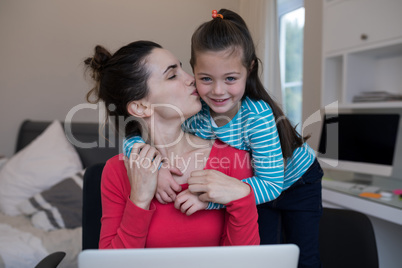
[220, 101]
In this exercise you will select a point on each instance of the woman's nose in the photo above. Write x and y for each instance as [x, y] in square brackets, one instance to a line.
[190, 80]
[191, 83]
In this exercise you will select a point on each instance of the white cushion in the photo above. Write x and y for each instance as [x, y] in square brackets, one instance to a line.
[46, 161]
[3, 160]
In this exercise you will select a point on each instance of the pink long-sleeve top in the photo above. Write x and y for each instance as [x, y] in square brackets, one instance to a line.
[124, 225]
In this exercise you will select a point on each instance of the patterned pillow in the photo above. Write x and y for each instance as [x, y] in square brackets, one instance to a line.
[47, 160]
[58, 207]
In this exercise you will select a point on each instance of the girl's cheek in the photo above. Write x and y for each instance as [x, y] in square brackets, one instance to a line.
[202, 89]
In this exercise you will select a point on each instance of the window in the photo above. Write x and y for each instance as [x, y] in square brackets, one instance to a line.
[291, 30]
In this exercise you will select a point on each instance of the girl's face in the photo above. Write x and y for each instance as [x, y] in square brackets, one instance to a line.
[221, 81]
[172, 91]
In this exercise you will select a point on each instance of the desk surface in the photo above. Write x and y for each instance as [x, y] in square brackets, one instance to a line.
[394, 201]
[388, 210]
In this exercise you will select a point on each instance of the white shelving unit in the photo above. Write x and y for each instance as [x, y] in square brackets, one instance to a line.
[362, 51]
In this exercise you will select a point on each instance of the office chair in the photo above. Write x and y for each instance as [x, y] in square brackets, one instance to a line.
[52, 260]
[91, 207]
[347, 240]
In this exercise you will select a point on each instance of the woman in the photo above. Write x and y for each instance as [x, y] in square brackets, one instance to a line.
[144, 87]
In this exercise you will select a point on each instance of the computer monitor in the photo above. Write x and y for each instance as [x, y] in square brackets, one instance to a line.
[359, 142]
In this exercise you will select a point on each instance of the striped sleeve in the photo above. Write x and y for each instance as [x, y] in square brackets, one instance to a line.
[129, 142]
[266, 153]
[298, 164]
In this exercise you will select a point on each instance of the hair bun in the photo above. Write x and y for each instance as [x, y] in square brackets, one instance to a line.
[95, 65]
[99, 60]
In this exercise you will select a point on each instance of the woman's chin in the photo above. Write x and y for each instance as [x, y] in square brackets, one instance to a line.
[196, 108]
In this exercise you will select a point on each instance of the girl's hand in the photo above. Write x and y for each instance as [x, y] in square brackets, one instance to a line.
[214, 186]
[167, 186]
[142, 171]
[189, 203]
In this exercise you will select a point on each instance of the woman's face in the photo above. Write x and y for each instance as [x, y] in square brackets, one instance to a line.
[172, 92]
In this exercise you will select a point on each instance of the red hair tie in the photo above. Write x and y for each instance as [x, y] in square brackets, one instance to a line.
[215, 14]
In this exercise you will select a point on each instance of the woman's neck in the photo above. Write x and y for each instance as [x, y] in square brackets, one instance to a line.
[182, 150]
[169, 138]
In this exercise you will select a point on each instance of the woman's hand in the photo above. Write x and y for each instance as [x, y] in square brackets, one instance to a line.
[142, 171]
[214, 186]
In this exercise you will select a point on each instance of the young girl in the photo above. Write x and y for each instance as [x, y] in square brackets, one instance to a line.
[238, 110]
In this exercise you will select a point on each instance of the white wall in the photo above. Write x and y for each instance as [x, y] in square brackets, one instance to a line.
[44, 42]
[312, 70]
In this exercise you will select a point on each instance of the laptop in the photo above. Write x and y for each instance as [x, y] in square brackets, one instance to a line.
[278, 256]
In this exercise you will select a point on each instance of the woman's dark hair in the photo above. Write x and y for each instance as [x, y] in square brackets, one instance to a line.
[231, 32]
[119, 79]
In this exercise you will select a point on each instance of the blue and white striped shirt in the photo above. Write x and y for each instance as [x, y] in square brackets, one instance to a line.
[252, 129]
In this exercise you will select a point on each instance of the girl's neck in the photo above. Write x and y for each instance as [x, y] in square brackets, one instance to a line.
[222, 119]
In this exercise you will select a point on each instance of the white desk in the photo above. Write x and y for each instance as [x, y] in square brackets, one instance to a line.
[373, 207]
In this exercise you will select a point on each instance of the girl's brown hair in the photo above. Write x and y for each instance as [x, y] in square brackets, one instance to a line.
[231, 32]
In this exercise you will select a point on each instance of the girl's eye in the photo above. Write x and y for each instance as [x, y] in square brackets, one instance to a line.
[172, 77]
[231, 79]
[205, 79]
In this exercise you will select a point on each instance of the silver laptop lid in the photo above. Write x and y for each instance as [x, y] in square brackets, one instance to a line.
[278, 256]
